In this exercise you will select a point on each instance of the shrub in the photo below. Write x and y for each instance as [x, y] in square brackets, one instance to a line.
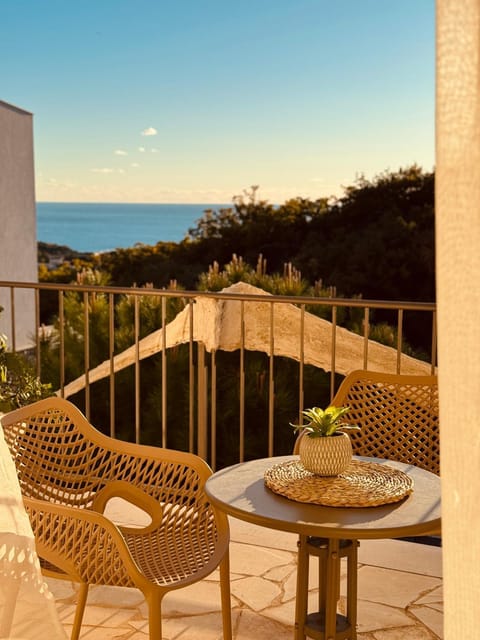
[18, 383]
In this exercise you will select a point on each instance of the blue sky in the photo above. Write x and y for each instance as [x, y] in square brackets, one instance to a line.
[196, 100]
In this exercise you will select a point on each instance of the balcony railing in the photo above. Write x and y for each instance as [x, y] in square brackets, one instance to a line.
[236, 368]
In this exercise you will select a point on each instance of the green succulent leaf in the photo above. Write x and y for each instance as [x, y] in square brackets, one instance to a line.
[324, 422]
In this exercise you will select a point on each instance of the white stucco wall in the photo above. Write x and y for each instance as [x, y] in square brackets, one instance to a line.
[18, 234]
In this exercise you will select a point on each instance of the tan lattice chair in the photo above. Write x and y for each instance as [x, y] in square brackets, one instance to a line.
[398, 420]
[397, 416]
[68, 471]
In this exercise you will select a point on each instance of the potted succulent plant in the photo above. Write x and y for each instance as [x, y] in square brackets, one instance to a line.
[325, 449]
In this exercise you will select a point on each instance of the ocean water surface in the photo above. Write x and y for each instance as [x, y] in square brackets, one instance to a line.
[95, 227]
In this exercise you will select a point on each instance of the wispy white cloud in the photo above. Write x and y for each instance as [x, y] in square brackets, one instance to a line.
[134, 164]
[141, 149]
[149, 131]
[53, 182]
[154, 150]
[121, 152]
[107, 170]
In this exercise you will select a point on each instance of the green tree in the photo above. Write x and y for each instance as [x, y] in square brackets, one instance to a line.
[377, 240]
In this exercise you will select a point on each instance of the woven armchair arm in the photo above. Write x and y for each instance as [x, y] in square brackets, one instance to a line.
[135, 496]
[82, 543]
[168, 476]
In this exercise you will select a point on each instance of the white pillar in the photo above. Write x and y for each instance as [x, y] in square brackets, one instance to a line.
[458, 298]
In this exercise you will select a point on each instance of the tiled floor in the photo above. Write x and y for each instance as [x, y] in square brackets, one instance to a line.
[399, 595]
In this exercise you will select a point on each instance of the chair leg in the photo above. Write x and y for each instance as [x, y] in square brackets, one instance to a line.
[225, 597]
[154, 601]
[81, 602]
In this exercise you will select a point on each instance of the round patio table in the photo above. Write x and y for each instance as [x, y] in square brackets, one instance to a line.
[240, 491]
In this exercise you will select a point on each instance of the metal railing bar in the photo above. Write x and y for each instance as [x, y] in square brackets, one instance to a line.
[366, 334]
[434, 341]
[334, 343]
[202, 449]
[61, 327]
[86, 352]
[111, 348]
[242, 383]
[172, 293]
[399, 339]
[164, 373]
[38, 363]
[136, 331]
[12, 319]
[191, 382]
[301, 365]
[271, 383]
[213, 411]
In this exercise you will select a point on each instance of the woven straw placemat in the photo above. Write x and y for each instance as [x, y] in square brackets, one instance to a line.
[362, 484]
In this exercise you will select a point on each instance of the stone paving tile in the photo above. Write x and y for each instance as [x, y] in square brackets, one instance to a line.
[256, 593]
[401, 555]
[290, 585]
[262, 536]
[62, 589]
[433, 596]
[429, 617]
[99, 633]
[204, 627]
[284, 614]
[139, 624]
[248, 560]
[122, 596]
[94, 616]
[124, 513]
[198, 598]
[102, 633]
[280, 574]
[395, 588]
[373, 616]
[65, 611]
[403, 633]
[254, 626]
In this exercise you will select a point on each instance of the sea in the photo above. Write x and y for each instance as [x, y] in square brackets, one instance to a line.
[91, 227]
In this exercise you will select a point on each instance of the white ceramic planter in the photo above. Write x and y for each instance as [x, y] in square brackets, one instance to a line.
[326, 456]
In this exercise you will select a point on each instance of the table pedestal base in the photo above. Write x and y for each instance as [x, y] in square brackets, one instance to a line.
[326, 624]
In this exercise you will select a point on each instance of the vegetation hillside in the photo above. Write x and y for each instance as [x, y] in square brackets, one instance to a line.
[377, 240]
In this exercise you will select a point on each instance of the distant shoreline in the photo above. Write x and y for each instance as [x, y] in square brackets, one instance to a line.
[53, 255]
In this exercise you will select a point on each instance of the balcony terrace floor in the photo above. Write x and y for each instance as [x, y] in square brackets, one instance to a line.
[399, 595]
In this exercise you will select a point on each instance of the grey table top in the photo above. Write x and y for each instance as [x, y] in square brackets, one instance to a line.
[240, 491]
